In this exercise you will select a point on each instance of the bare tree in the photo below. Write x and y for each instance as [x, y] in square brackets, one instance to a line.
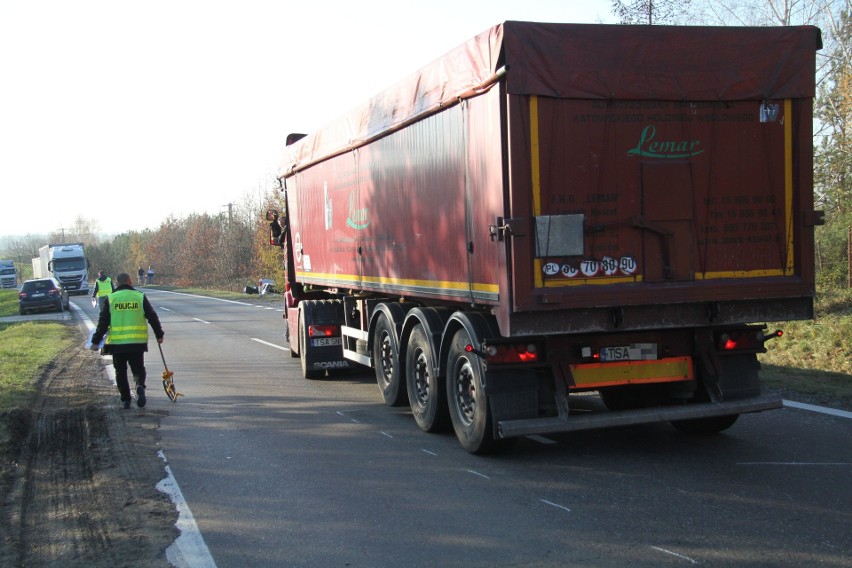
[651, 11]
[81, 230]
[762, 12]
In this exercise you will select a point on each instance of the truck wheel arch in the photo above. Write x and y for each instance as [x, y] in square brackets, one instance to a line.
[433, 320]
[478, 326]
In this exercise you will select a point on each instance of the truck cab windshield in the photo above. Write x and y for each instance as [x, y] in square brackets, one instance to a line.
[69, 264]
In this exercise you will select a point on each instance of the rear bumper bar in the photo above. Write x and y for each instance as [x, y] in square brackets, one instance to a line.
[589, 421]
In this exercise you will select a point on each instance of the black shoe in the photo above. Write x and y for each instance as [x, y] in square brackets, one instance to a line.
[125, 404]
[140, 396]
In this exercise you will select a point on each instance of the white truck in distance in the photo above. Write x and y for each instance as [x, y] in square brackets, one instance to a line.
[65, 262]
[8, 274]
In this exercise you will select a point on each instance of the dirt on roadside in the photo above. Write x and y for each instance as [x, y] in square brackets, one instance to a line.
[79, 487]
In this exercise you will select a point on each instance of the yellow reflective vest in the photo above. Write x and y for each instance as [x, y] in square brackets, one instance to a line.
[104, 286]
[127, 318]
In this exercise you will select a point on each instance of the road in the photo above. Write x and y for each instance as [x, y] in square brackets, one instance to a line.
[280, 471]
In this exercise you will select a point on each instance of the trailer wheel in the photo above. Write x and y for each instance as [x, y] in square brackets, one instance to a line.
[303, 351]
[705, 426]
[426, 391]
[386, 362]
[468, 405]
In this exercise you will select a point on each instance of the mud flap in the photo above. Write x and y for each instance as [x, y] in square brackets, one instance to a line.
[512, 395]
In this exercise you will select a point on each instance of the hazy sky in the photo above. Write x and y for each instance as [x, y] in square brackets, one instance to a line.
[126, 112]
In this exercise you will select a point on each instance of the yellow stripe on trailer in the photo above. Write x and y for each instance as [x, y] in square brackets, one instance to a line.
[670, 369]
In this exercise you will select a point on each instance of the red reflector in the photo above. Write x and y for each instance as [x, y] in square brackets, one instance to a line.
[468, 348]
[730, 344]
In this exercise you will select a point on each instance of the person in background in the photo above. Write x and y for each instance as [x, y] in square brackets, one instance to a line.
[103, 288]
[140, 276]
[150, 275]
[124, 316]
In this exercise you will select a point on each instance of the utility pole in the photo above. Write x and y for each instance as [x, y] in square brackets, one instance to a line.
[230, 207]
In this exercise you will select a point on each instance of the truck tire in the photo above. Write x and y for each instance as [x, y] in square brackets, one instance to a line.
[468, 405]
[386, 362]
[303, 351]
[705, 426]
[426, 390]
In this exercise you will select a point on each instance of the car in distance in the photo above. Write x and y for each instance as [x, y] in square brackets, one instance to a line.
[42, 294]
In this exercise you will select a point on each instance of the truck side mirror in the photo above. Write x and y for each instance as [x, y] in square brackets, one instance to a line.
[274, 235]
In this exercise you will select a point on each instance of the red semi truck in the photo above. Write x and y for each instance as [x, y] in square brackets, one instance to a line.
[557, 227]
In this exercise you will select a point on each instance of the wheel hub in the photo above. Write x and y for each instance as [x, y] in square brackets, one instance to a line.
[466, 393]
[421, 377]
[386, 353]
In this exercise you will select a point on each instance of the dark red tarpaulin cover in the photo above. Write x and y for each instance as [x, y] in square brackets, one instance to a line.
[585, 61]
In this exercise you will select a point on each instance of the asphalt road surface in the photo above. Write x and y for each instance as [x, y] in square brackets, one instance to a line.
[280, 471]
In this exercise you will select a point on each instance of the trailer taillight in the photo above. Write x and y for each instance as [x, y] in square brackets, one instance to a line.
[526, 352]
[317, 330]
[747, 339]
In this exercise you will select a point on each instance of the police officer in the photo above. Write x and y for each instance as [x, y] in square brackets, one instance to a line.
[124, 314]
[103, 288]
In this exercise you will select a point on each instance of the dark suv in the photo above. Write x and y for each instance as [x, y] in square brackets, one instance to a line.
[42, 294]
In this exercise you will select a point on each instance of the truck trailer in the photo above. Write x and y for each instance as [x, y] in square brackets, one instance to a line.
[67, 263]
[558, 227]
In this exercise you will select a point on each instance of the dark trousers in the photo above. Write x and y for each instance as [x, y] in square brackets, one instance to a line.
[137, 367]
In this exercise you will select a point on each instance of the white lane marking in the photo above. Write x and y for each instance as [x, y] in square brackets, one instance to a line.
[681, 556]
[90, 327]
[282, 348]
[164, 309]
[343, 413]
[477, 473]
[425, 451]
[201, 320]
[820, 409]
[552, 504]
[385, 434]
[189, 549]
[205, 297]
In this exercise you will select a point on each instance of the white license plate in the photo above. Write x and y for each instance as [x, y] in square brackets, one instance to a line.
[38, 295]
[325, 341]
[615, 353]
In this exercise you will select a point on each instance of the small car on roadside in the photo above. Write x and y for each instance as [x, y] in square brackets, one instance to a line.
[266, 286]
[42, 294]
